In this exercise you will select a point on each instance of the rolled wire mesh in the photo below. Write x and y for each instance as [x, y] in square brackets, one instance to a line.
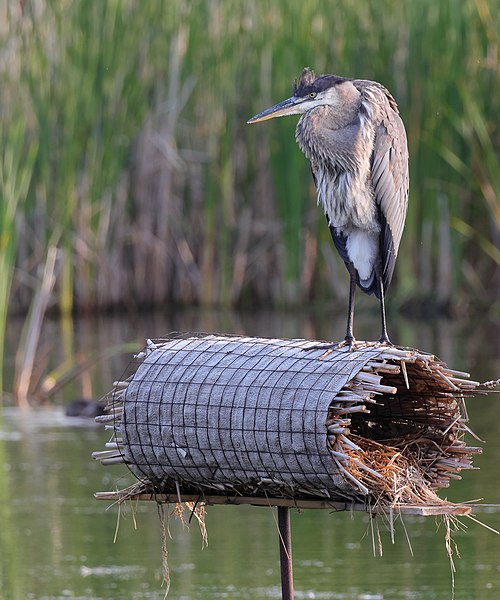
[289, 419]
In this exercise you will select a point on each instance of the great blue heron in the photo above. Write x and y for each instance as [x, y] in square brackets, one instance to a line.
[351, 131]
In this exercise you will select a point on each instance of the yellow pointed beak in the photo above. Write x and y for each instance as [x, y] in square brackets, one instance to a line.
[287, 107]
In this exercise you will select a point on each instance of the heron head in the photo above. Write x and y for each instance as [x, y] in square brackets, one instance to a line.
[309, 92]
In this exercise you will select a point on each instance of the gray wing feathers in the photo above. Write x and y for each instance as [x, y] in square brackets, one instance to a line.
[390, 184]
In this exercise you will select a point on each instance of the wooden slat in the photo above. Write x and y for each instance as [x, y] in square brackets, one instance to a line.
[422, 510]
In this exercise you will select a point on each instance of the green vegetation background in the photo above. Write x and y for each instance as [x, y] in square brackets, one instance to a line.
[128, 177]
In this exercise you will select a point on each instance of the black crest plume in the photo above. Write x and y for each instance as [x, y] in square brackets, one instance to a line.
[304, 82]
[308, 82]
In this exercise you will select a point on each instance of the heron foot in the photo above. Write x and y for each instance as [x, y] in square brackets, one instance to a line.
[384, 339]
[348, 341]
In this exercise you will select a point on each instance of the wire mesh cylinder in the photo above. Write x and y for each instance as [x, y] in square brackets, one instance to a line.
[233, 413]
[224, 415]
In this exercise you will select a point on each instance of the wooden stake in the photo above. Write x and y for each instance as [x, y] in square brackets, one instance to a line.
[285, 552]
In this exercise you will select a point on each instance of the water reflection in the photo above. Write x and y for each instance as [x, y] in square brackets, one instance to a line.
[56, 541]
[472, 345]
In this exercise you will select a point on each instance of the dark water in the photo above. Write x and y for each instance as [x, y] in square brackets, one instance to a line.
[56, 540]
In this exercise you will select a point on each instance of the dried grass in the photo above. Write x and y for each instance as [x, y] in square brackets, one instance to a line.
[398, 431]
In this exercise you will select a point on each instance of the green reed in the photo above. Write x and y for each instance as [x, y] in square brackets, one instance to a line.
[154, 189]
[15, 173]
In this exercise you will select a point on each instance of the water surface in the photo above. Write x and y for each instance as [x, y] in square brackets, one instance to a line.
[57, 541]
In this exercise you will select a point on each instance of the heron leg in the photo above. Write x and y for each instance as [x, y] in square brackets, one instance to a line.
[349, 339]
[349, 334]
[384, 336]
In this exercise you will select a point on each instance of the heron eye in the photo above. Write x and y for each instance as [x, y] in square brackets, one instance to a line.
[312, 95]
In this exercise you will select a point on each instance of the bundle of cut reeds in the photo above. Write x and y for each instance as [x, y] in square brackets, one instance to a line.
[397, 429]
[206, 415]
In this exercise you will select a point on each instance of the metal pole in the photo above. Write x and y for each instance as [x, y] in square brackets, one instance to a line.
[285, 552]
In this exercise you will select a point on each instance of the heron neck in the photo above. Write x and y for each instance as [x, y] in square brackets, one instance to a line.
[325, 133]
[329, 117]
